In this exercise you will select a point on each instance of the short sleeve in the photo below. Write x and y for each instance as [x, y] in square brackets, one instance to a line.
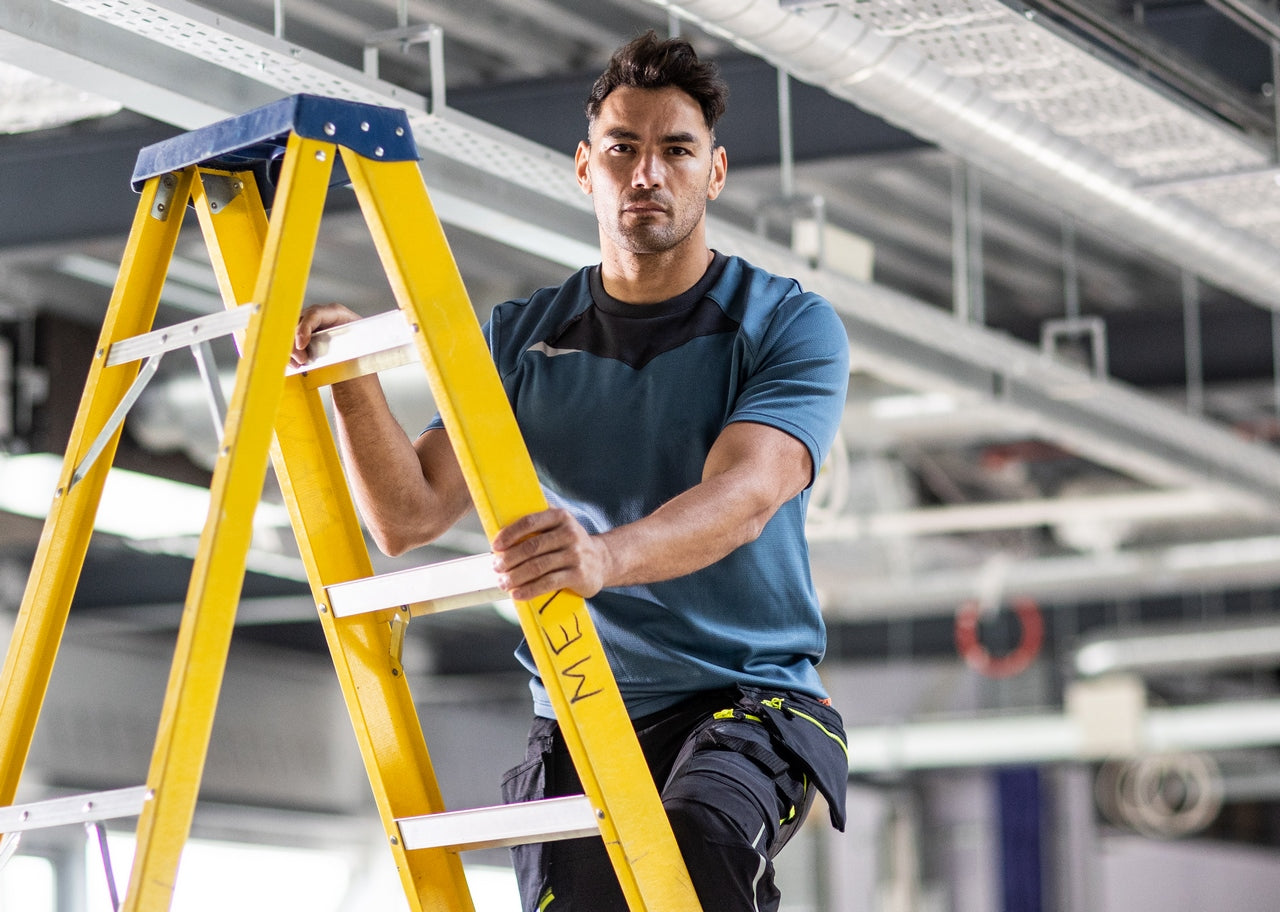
[799, 375]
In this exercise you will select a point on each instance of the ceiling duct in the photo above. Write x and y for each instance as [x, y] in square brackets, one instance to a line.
[994, 86]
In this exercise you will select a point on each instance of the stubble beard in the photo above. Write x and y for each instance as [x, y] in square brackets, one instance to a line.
[652, 235]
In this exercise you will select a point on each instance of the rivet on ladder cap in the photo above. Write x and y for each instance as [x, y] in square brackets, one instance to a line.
[330, 129]
[378, 152]
[25, 816]
[364, 126]
[320, 156]
[88, 806]
[399, 131]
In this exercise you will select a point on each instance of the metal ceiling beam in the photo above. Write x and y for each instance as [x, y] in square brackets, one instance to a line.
[1055, 738]
[1240, 563]
[1134, 507]
[1259, 18]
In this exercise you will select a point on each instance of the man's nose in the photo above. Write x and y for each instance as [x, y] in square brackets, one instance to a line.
[648, 172]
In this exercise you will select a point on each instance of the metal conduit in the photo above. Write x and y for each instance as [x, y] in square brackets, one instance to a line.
[894, 79]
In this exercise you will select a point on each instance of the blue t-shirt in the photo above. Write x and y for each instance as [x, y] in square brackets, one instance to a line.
[619, 405]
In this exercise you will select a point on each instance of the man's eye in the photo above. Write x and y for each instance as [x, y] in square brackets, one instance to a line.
[678, 150]
[620, 147]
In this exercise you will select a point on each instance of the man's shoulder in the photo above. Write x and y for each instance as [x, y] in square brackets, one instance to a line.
[754, 296]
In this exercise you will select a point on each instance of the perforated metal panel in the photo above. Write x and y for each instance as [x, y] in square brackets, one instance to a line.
[292, 69]
[1019, 62]
[1250, 202]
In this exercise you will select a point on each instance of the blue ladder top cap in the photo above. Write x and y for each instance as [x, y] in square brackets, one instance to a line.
[255, 141]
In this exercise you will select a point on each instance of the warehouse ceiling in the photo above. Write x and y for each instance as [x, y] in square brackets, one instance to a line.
[1134, 461]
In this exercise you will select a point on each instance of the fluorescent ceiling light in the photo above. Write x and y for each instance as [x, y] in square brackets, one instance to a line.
[189, 285]
[30, 102]
[134, 505]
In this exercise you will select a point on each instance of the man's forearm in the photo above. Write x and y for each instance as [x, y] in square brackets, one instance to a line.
[751, 471]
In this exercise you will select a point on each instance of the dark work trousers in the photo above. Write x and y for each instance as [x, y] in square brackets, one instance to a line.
[734, 790]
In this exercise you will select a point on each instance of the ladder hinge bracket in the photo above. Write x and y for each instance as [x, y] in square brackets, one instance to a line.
[166, 189]
[221, 189]
[399, 624]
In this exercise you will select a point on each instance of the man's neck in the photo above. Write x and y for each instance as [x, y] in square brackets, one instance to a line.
[650, 278]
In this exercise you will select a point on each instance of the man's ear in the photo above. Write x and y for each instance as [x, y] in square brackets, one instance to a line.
[580, 159]
[719, 171]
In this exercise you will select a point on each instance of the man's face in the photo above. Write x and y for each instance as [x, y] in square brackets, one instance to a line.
[650, 168]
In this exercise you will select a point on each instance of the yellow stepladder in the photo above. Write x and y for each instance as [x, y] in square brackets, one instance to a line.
[283, 157]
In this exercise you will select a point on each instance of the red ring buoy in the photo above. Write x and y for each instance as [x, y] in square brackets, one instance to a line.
[1014, 662]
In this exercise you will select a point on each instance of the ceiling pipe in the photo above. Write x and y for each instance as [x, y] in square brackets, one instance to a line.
[1244, 646]
[894, 79]
[1055, 738]
[1240, 563]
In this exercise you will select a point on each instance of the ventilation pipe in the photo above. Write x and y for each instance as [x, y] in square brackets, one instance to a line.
[894, 79]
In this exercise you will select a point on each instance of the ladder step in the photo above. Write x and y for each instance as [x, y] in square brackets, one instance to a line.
[354, 349]
[87, 808]
[504, 825]
[460, 583]
[180, 335]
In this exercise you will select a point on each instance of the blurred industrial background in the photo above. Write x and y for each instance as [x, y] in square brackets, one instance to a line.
[1047, 544]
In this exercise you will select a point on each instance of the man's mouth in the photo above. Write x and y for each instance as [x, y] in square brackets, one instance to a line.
[644, 207]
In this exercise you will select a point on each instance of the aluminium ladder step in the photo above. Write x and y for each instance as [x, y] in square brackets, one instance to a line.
[460, 583]
[365, 346]
[87, 808]
[503, 825]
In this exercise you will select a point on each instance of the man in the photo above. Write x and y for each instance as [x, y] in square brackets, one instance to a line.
[698, 396]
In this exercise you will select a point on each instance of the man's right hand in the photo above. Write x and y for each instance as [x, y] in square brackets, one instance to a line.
[314, 319]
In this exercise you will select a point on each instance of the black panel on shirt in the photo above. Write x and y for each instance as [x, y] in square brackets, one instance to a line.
[635, 334]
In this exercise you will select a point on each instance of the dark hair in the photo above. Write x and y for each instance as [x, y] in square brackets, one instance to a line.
[649, 62]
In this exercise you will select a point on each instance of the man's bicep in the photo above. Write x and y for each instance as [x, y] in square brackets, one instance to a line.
[777, 462]
[443, 474]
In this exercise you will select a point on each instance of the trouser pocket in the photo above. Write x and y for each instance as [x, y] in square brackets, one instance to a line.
[528, 782]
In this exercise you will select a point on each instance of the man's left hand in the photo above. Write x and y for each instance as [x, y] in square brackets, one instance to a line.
[546, 552]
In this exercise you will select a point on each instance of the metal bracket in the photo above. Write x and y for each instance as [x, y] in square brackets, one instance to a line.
[208, 367]
[805, 218]
[405, 37]
[1054, 333]
[192, 334]
[9, 847]
[220, 189]
[98, 829]
[399, 626]
[163, 203]
[113, 423]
